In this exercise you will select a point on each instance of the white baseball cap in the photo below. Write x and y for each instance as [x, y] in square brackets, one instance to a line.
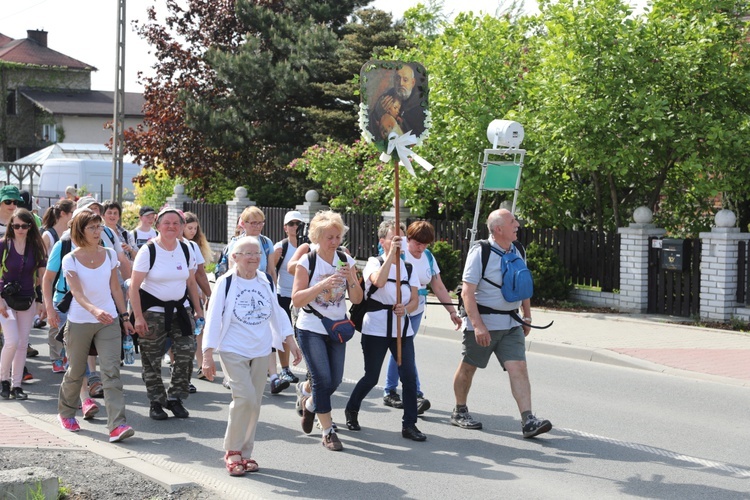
[292, 215]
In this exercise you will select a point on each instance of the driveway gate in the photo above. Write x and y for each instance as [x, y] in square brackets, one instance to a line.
[674, 277]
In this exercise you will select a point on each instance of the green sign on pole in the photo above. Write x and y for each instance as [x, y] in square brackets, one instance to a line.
[501, 176]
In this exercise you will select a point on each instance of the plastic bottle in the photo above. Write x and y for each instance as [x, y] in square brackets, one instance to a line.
[127, 347]
[199, 325]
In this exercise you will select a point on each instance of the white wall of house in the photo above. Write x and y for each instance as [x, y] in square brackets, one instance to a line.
[89, 130]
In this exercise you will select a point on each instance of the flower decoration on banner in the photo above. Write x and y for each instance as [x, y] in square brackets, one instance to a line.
[394, 105]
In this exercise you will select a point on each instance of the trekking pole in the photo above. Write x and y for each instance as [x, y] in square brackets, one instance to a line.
[396, 203]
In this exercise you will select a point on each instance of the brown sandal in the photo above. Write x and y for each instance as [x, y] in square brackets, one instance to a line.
[235, 467]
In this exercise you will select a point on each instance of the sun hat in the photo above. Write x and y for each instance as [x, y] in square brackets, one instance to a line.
[9, 192]
[292, 215]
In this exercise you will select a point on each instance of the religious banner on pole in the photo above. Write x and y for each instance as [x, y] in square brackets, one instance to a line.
[394, 115]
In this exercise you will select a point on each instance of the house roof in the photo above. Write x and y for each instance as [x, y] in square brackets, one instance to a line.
[84, 103]
[28, 51]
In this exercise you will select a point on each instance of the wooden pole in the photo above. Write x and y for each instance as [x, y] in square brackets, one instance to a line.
[397, 204]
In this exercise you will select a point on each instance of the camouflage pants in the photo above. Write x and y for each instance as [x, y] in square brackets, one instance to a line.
[152, 350]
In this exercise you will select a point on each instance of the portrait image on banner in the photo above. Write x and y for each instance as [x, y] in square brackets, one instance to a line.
[394, 99]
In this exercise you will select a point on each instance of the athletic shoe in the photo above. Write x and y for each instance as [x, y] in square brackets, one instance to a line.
[89, 408]
[17, 393]
[225, 383]
[413, 433]
[278, 385]
[462, 418]
[5, 392]
[58, 366]
[535, 426]
[157, 411]
[121, 432]
[69, 424]
[31, 352]
[27, 375]
[192, 389]
[286, 374]
[175, 406]
[200, 374]
[422, 405]
[352, 420]
[320, 426]
[308, 417]
[39, 323]
[96, 389]
[331, 442]
[298, 404]
[393, 400]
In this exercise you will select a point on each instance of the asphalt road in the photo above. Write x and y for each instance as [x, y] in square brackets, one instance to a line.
[618, 432]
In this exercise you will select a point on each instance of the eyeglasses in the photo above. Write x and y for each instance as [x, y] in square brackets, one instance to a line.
[10, 202]
[95, 228]
[293, 223]
[249, 254]
[255, 223]
[20, 226]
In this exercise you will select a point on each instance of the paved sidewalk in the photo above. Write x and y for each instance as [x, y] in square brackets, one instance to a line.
[633, 340]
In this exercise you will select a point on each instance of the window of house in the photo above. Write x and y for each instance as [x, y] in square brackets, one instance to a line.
[49, 133]
[10, 102]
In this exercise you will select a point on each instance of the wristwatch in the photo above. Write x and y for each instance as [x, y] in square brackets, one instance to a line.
[527, 319]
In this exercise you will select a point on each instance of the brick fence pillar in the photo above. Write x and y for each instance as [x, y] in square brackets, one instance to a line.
[634, 260]
[719, 272]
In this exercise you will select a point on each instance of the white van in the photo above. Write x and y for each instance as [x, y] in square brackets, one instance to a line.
[93, 175]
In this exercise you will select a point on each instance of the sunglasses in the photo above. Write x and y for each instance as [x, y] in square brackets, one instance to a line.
[293, 223]
[10, 202]
[20, 226]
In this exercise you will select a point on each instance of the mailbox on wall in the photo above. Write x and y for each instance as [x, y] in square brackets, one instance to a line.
[673, 255]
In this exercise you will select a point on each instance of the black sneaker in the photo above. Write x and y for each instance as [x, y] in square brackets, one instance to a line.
[413, 433]
[286, 374]
[17, 393]
[175, 406]
[535, 426]
[352, 422]
[462, 418]
[422, 405]
[393, 400]
[157, 411]
[192, 389]
[278, 385]
[5, 393]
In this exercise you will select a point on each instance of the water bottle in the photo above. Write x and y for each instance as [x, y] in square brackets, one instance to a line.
[127, 346]
[199, 325]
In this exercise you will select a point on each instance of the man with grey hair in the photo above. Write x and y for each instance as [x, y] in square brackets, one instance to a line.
[488, 329]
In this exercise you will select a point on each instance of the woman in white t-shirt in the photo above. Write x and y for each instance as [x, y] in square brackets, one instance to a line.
[244, 321]
[163, 277]
[419, 235]
[379, 328]
[93, 318]
[324, 292]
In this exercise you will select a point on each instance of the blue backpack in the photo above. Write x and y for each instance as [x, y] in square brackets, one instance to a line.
[517, 281]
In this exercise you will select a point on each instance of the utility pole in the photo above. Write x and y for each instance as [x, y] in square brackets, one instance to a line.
[118, 121]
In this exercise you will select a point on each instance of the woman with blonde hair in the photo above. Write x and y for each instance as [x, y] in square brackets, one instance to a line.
[321, 281]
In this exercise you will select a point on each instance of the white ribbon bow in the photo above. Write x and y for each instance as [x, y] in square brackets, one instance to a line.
[401, 144]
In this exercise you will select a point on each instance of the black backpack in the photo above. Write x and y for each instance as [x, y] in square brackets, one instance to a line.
[284, 249]
[357, 311]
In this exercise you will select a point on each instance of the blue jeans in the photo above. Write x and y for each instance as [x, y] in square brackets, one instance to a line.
[391, 375]
[325, 360]
[375, 350]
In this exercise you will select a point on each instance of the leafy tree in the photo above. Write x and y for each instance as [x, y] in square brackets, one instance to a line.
[624, 111]
[233, 79]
